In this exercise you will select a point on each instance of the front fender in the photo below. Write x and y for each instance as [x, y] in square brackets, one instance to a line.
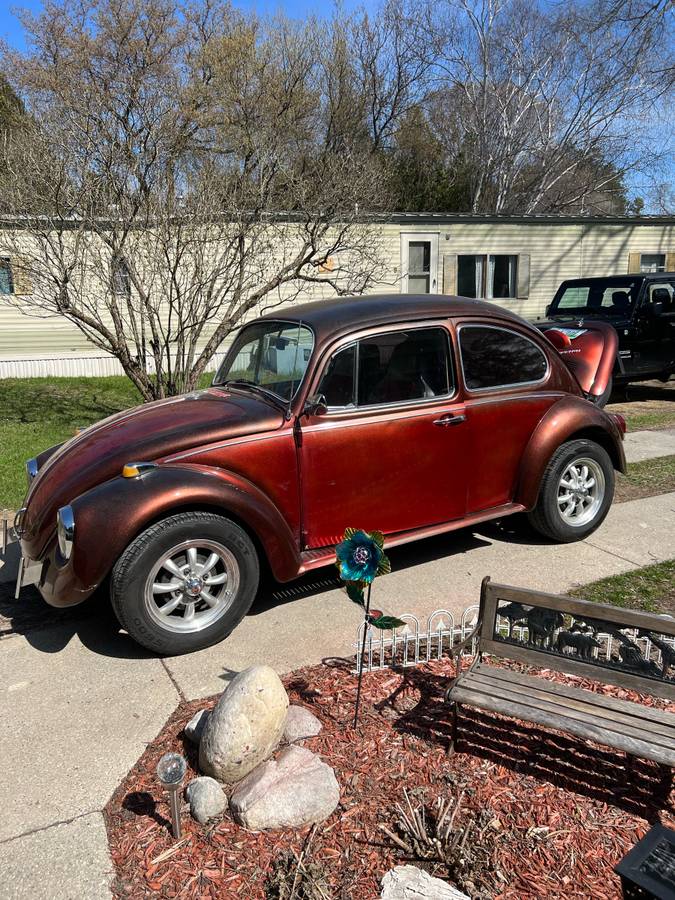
[109, 516]
[567, 419]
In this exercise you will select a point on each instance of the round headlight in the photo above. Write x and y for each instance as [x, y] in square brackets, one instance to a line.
[65, 531]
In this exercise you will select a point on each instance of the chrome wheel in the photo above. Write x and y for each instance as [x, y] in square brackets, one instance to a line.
[581, 491]
[192, 586]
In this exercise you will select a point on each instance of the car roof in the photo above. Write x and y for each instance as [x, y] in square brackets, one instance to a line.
[619, 279]
[342, 314]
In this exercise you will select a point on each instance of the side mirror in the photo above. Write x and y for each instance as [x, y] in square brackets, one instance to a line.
[547, 312]
[315, 405]
[655, 309]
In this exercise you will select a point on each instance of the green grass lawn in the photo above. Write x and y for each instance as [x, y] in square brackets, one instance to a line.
[36, 413]
[638, 421]
[646, 478]
[651, 589]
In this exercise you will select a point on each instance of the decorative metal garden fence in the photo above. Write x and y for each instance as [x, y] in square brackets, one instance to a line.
[412, 645]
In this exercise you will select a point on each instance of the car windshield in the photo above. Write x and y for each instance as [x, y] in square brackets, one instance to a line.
[270, 356]
[598, 298]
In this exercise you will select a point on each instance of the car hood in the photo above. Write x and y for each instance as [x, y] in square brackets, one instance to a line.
[147, 432]
[587, 346]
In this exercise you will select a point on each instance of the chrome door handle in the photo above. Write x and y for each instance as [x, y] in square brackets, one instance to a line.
[450, 419]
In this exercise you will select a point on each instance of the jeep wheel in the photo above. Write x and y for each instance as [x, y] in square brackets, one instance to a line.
[576, 492]
[185, 582]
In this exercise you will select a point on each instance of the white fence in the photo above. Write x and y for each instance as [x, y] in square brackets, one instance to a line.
[85, 366]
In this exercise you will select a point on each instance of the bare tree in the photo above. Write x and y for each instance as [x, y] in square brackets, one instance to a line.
[545, 102]
[180, 174]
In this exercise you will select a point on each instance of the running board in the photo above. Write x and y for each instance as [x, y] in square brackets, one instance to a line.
[324, 556]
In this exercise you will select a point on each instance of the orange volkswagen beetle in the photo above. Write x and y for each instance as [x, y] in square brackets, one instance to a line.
[412, 415]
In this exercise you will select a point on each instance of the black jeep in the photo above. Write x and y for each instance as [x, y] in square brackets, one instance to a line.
[640, 307]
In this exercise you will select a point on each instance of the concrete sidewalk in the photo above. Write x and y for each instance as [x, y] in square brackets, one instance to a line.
[641, 445]
[80, 702]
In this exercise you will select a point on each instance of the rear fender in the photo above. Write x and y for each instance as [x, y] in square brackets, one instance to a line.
[568, 419]
[109, 516]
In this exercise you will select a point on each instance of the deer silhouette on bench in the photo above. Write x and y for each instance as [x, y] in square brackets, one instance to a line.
[615, 646]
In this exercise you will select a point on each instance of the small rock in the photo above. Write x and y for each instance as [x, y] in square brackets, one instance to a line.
[300, 723]
[411, 883]
[206, 798]
[195, 727]
[294, 790]
[245, 725]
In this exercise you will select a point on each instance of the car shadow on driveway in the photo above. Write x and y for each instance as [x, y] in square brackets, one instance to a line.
[325, 579]
[50, 630]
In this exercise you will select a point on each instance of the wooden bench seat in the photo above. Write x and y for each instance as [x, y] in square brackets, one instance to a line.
[635, 728]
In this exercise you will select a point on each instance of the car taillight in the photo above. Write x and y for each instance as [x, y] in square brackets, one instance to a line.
[620, 421]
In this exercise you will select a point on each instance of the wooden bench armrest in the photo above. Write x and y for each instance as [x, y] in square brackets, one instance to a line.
[458, 649]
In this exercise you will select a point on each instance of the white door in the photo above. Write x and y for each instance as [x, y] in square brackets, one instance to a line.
[419, 263]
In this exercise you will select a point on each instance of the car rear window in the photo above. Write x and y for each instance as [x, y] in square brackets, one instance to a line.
[498, 357]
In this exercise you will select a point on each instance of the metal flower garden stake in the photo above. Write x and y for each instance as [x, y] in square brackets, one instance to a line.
[360, 558]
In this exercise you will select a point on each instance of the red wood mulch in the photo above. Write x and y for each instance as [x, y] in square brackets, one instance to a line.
[557, 813]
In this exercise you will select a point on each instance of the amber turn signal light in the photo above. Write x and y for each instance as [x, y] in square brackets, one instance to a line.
[133, 469]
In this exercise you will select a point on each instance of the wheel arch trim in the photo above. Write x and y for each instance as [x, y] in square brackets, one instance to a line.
[569, 419]
[129, 506]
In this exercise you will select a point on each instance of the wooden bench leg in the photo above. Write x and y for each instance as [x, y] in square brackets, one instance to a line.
[453, 734]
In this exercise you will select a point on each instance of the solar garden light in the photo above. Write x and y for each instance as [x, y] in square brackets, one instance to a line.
[171, 771]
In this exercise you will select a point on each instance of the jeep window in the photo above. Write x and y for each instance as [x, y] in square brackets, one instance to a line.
[498, 357]
[270, 355]
[596, 298]
[395, 367]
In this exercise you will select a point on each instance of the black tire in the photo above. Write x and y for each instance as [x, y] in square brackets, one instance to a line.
[133, 595]
[546, 517]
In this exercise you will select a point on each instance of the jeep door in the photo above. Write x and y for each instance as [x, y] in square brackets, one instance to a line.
[655, 326]
[390, 452]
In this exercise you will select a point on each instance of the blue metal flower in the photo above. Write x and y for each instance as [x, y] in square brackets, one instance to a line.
[358, 557]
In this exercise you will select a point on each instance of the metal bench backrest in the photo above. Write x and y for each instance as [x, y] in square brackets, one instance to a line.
[624, 647]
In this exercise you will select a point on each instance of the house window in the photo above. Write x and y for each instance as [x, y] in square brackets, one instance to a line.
[6, 279]
[652, 262]
[120, 277]
[487, 275]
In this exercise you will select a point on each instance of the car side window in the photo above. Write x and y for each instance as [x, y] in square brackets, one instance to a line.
[338, 384]
[395, 367]
[498, 357]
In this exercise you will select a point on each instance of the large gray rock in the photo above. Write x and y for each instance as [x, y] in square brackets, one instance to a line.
[300, 723]
[411, 883]
[245, 726]
[206, 798]
[195, 727]
[294, 790]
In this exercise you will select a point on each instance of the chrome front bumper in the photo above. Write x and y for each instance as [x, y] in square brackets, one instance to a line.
[29, 572]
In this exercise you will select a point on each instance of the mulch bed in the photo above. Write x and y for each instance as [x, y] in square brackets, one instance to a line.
[551, 815]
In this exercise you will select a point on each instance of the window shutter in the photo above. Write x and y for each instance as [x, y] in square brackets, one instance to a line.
[670, 261]
[633, 263]
[523, 276]
[450, 273]
[23, 283]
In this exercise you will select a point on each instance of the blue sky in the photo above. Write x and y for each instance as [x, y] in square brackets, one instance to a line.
[12, 32]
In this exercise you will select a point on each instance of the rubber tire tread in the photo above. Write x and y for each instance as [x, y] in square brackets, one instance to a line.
[545, 517]
[169, 643]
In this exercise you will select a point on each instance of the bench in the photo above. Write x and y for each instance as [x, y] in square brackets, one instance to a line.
[616, 646]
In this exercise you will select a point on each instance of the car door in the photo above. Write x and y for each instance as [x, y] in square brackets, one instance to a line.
[655, 326]
[506, 377]
[390, 451]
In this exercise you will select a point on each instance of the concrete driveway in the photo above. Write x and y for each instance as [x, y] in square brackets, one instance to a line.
[80, 701]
